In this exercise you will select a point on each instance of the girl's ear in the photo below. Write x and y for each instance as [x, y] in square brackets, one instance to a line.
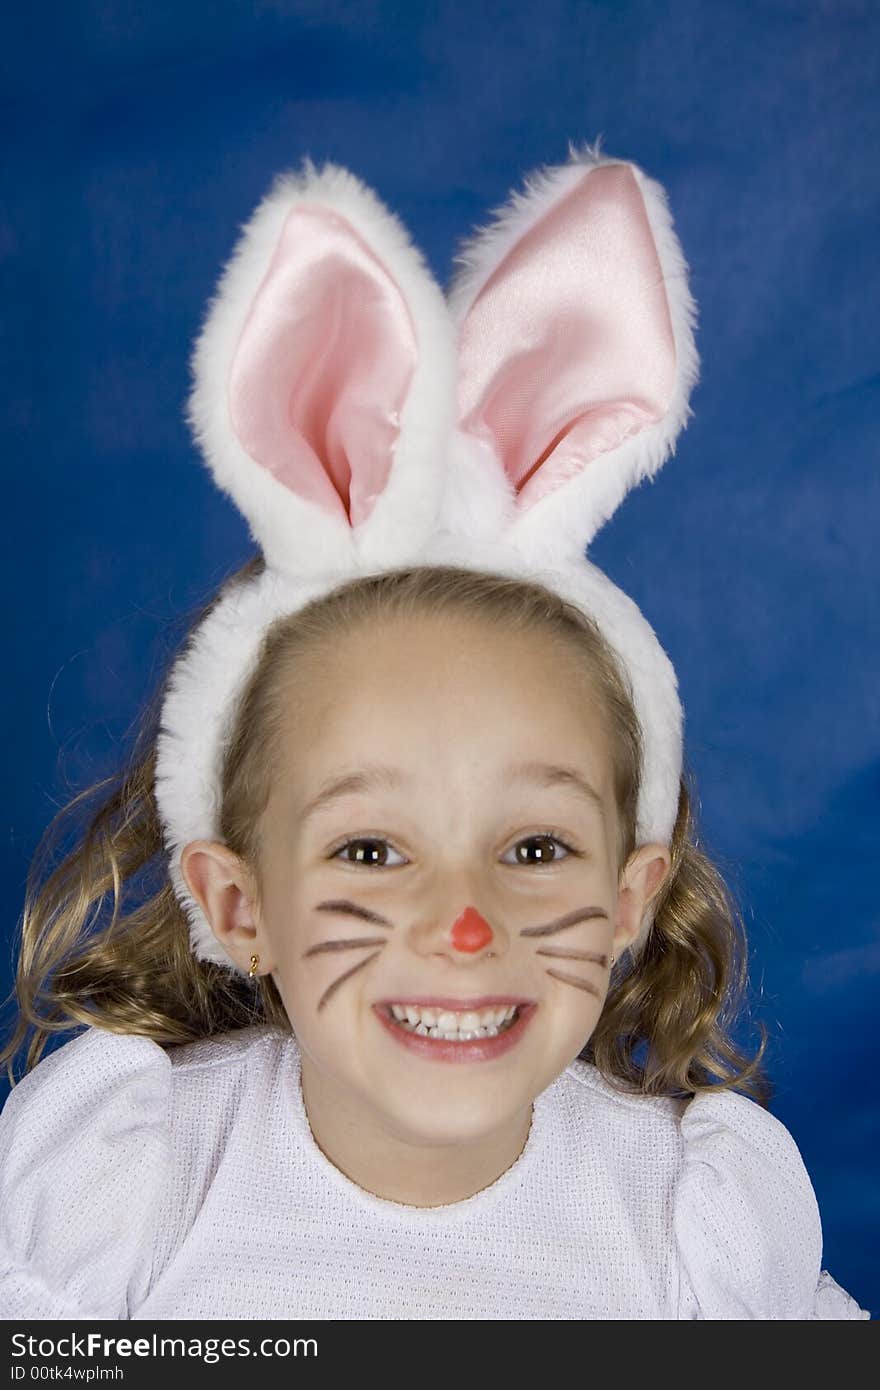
[576, 352]
[327, 356]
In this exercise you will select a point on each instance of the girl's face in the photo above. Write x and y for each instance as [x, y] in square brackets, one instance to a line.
[438, 856]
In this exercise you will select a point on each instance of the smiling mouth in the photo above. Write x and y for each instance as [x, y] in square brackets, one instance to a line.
[450, 1025]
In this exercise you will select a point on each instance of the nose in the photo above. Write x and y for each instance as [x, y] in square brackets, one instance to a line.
[470, 931]
[467, 938]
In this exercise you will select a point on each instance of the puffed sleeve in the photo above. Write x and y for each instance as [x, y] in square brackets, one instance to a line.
[84, 1151]
[746, 1219]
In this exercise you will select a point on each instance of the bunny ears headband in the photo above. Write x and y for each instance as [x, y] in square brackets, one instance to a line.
[360, 420]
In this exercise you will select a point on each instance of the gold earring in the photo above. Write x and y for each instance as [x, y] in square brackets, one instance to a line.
[612, 960]
[255, 960]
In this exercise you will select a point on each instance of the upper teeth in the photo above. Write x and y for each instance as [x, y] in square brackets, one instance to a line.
[457, 1025]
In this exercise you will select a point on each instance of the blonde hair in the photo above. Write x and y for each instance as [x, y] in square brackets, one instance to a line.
[665, 1026]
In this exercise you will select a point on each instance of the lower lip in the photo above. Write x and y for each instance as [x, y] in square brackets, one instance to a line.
[474, 1050]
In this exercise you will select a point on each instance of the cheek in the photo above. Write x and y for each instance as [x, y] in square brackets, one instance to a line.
[572, 1014]
[296, 980]
[318, 985]
[284, 917]
[577, 1031]
[305, 981]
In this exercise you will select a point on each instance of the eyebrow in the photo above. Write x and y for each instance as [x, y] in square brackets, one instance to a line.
[552, 775]
[378, 775]
[362, 780]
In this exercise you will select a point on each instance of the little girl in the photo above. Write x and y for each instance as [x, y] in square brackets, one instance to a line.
[415, 996]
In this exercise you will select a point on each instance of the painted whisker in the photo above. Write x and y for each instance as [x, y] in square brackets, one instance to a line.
[340, 980]
[344, 944]
[595, 956]
[571, 919]
[573, 980]
[354, 909]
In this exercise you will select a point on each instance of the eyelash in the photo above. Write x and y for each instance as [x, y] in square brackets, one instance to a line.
[538, 835]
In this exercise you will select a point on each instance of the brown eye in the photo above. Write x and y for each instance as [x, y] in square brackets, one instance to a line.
[373, 853]
[541, 849]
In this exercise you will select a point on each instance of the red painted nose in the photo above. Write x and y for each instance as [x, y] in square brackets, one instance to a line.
[470, 931]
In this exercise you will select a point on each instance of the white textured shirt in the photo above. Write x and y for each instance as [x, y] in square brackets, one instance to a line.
[140, 1182]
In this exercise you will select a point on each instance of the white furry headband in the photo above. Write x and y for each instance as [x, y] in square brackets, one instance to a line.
[361, 421]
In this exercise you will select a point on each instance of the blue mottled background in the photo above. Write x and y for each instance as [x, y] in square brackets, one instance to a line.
[135, 141]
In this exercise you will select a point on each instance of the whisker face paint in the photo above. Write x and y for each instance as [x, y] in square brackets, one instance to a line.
[343, 944]
[331, 989]
[354, 910]
[571, 919]
[573, 980]
[595, 956]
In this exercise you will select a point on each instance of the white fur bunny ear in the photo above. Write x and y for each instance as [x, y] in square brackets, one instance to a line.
[576, 347]
[324, 378]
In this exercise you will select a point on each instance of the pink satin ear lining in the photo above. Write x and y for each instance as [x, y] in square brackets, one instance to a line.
[566, 351]
[323, 365]
[568, 348]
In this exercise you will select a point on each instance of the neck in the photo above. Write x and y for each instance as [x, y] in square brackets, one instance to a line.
[391, 1165]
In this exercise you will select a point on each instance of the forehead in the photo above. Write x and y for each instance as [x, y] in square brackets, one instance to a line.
[441, 679]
